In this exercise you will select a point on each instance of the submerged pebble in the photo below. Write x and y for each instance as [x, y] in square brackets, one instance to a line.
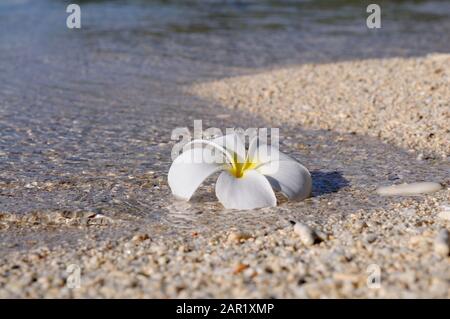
[409, 189]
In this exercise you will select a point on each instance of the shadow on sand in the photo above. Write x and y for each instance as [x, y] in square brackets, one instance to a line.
[327, 182]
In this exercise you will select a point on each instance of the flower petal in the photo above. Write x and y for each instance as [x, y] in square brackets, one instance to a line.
[232, 143]
[252, 148]
[251, 191]
[264, 153]
[212, 153]
[189, 170]
[288, 176]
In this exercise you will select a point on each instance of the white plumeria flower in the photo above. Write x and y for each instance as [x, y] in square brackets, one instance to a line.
[247, 179]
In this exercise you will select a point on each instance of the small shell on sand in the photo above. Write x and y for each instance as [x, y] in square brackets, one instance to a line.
[409, 189]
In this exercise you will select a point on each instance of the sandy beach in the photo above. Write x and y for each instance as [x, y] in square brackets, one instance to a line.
[272, 259]
[86, 119]
[401, 101]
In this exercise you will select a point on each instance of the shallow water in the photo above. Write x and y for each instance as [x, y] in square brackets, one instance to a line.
[86, 115]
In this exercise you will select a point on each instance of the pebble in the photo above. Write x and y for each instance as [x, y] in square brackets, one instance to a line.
[99, 219]
[346, 277]
[307, 235]
[359, 225]
[223, 116]
[140, 238]
[370, 238]
[409, 189]
[442, 243]
[322, 236]
[237, 237]
[240, 268]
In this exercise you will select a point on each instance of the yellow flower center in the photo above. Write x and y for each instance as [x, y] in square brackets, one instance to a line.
[238, 168]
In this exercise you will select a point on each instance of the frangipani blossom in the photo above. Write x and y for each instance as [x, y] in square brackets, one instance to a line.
[247, 179]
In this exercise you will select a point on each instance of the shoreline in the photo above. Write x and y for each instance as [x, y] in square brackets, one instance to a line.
[226, 254]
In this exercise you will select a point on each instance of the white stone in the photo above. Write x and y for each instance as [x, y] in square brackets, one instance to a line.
[409, 189]
[307, 235]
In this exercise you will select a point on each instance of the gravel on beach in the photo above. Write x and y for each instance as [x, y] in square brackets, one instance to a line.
[395, 253]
